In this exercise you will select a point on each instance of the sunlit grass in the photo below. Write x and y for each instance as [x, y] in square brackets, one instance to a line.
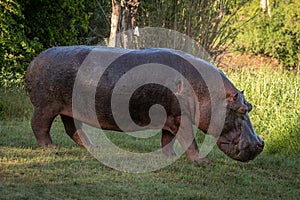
[69, 172]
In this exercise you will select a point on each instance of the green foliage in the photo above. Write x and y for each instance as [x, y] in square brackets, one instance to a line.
[30, 26]
[57, 23]
[277, 36]
[99, 22]
[15, 48]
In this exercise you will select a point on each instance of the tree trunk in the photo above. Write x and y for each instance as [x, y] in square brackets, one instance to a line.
[122, 20]
[116, 7]
[189, 19]
[265, 7]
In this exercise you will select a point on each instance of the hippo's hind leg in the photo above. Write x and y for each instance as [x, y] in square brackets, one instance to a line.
[74, 130]
[167, 142]
[41, 124]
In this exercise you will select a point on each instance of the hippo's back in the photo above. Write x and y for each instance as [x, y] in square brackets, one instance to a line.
[51, 75]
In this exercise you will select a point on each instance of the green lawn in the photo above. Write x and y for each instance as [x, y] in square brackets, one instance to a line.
[69, 172]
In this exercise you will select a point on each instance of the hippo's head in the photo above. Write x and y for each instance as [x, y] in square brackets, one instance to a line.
[238, 139]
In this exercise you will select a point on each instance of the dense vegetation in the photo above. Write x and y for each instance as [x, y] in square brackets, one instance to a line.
[28, 27]
[276, 35]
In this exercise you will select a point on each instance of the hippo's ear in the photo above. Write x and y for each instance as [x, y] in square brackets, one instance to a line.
[232, 97]
[179, 86]
[235, 105]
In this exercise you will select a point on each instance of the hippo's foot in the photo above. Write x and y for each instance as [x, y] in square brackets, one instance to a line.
[195, 157]
[82, 139]
[199, 160]
[90, 146]
[73, 128]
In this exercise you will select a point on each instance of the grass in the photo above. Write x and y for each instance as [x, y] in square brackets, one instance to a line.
[30, 172]
[14, 104]
[69, 172]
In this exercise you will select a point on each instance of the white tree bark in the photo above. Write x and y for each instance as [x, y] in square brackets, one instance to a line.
[116, 7]
[122, 19]
[265, 7]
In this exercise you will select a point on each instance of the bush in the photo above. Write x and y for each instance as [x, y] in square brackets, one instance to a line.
[277, 36]
[56, 23]
[15, 48]
[28, 27]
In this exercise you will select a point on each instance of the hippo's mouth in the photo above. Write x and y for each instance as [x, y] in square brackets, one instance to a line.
[231, 148]
[248, 154]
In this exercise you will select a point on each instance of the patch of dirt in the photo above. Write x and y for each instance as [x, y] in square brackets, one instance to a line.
[232, 60]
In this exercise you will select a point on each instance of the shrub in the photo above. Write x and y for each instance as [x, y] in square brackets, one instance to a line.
[28, 27]
[277, 36]
[15, 48]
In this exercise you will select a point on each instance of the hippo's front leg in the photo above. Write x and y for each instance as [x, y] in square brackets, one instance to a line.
[186, 138]
[167, 142]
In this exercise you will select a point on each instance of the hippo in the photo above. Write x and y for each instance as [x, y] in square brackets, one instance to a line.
[51, 78]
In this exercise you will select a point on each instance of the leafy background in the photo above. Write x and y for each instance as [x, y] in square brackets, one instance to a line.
[30, 26]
